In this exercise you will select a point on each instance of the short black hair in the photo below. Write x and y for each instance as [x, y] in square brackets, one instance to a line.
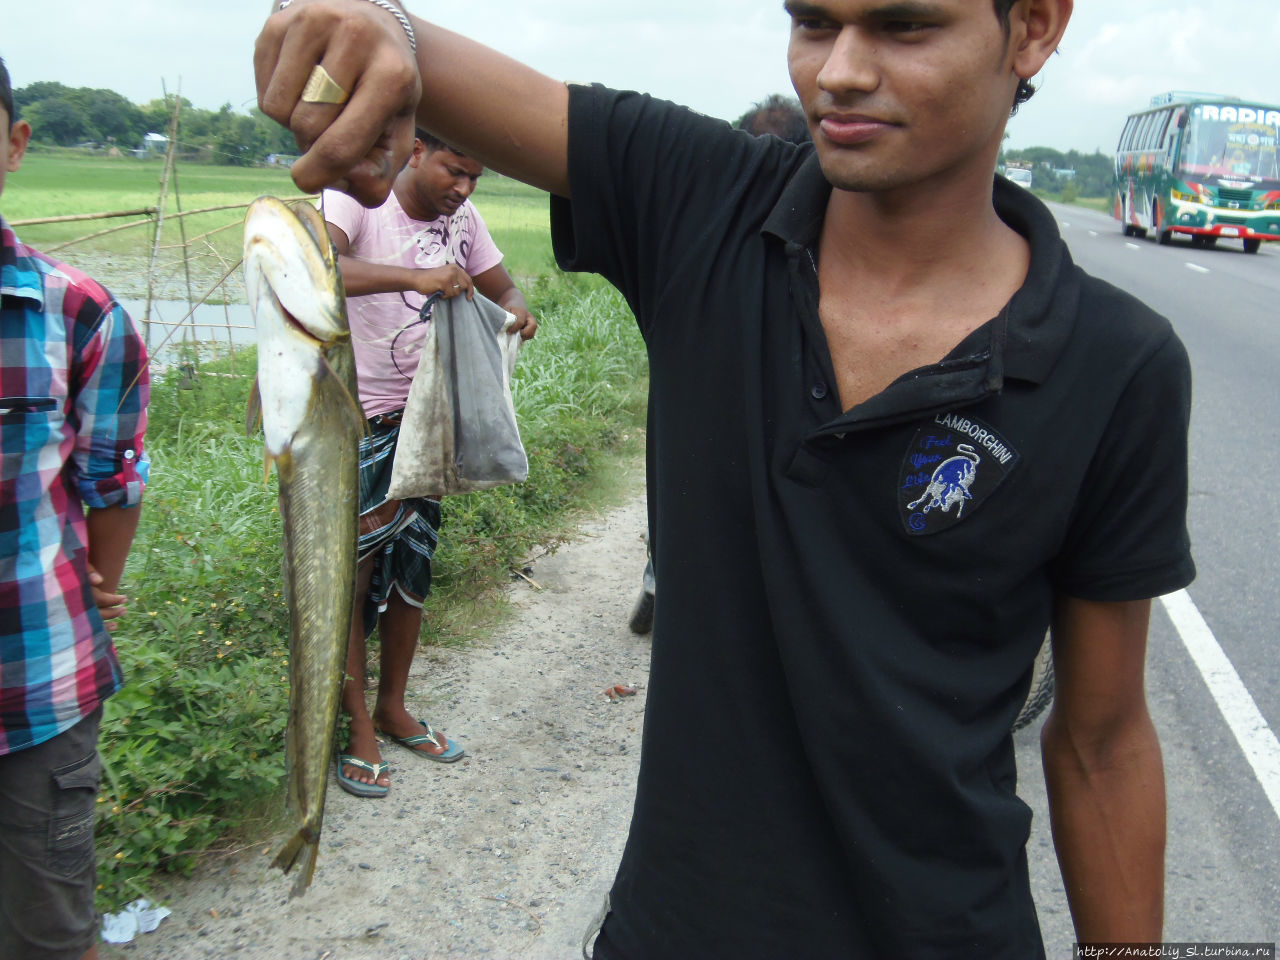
[1025, 89]
[435, 143]
[6, 92]
[779, 115]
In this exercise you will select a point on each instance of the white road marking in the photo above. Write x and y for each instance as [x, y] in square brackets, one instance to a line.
[1197, 268]
[1093, 233]
[1133, 246]
[1238, 708]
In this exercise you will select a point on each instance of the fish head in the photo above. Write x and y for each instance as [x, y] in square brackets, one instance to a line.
[295, 291]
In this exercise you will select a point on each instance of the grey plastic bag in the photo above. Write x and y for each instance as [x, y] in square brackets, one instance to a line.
[459, 429]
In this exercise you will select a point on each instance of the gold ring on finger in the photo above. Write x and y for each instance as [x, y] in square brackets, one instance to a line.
[322, 88]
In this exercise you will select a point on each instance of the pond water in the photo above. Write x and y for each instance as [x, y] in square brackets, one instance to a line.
[213, 325]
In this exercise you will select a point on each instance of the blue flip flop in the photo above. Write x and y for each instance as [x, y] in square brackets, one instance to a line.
[358, 788]
[452, 751]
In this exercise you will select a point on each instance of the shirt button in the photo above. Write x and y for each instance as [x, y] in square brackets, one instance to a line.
[819, 391]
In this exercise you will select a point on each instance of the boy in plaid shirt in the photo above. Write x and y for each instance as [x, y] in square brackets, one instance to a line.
[73, 399]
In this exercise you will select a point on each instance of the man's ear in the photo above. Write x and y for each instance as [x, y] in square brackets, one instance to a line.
[1036, 28]
[19, 137]
[419, 151]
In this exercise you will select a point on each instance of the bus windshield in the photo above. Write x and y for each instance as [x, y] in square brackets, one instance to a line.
[1232, 141]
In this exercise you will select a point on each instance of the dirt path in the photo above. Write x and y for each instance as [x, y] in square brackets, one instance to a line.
[507, 853]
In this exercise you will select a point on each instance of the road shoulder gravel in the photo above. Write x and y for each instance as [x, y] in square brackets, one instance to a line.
[507, 853]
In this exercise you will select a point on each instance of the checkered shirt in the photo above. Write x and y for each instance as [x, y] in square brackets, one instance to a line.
[73, 400]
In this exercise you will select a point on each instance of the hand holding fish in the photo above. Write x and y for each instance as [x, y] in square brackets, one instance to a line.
[358, 145]
[343, 77]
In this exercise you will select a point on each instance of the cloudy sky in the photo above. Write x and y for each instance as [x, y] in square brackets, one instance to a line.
[715, 55]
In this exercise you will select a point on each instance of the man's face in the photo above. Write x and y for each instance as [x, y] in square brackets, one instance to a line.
[897, 92]
[442, 179]
[12, 146]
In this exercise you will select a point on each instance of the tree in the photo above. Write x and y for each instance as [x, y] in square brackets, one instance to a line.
[67, 115]
[157, 113]
[237, 143]
[111, 116]
[1094, 173]
[57, 121]
[271, 137]
[35, 92]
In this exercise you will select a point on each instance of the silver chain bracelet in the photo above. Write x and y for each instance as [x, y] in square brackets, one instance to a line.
[392, 9]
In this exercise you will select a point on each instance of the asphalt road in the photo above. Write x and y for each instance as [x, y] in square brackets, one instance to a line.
[1223, 875]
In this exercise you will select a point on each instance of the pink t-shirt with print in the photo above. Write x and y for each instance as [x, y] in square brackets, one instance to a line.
[384, 330]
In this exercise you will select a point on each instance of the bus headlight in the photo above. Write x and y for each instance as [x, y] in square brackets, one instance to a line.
[1186, 197]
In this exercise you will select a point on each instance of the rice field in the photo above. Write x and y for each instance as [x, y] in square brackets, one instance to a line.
[59, 183]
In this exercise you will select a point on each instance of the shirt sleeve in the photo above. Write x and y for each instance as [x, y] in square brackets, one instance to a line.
[482, 253]
[345, 213]
[108, 462]
[654, 187]
[1128, 538]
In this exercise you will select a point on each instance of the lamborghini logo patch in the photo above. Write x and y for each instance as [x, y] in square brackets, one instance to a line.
[952, 465]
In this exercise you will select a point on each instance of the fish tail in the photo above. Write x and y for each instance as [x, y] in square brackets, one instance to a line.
[300, 850]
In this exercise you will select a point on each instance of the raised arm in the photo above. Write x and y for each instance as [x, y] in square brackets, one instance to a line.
[1104, 773]
[506, 115]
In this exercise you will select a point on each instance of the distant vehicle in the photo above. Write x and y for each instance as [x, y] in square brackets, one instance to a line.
[1202, 165]
[1019, 175]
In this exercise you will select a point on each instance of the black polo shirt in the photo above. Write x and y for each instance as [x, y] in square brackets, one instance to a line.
[851, 600]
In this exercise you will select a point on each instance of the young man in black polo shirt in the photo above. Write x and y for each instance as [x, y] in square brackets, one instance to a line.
[895, 433]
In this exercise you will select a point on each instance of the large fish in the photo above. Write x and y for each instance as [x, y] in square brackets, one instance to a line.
[305, 393]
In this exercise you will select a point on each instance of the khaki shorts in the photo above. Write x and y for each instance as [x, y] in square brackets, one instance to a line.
[47, 868]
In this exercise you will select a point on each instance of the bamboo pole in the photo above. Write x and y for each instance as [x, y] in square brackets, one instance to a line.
[164, 192]
[207, 234]
[138, 223]
[91, 236]
[222, 206]
[226, 308]
[140, 211]
[189, 336]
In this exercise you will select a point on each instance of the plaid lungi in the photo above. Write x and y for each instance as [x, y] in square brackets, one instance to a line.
[400, 535]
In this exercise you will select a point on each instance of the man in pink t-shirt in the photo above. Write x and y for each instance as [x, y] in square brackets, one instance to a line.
[426, 239]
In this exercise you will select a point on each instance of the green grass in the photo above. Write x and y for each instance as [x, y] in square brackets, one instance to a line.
[60, 183]
[1101, 204]
[53, 184]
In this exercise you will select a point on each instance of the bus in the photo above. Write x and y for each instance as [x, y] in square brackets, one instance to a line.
[1201, 165]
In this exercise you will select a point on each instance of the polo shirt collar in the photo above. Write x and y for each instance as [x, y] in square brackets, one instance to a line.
[1030, 333]
[798, 214]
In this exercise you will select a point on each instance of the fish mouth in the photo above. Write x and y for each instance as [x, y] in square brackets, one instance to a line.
[293, 323]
